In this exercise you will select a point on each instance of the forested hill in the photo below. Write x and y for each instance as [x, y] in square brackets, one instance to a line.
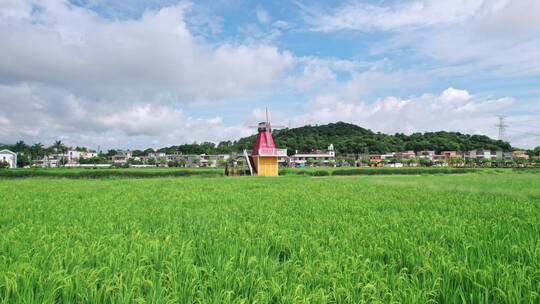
[349, 138]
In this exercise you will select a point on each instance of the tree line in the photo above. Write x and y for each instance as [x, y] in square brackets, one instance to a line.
[352, 139]
[346, 138]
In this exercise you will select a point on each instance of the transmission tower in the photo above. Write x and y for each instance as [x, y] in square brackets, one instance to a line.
[502, 127]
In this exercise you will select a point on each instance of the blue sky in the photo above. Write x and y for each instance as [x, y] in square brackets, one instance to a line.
[134, 74]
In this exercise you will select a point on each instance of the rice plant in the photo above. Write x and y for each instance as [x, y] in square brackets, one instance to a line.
[470, 238]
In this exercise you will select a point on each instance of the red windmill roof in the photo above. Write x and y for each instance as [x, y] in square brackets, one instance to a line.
[264, 140]
[264, 144]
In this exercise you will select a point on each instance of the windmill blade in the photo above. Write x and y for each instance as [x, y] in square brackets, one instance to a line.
[267, 137]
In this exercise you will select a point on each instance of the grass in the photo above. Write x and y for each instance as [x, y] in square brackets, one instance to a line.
[348, 171]
[154, 172]
[368, 239]
[110, 173]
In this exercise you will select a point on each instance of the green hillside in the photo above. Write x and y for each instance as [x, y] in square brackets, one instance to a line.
[349, 138]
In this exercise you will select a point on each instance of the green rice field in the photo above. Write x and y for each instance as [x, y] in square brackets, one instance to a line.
[428, 238]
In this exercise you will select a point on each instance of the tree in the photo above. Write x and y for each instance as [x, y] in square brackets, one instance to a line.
[151, 161]
[332, 163]
[221, 162]
[520, 161]
[182, 162]
[309, 161]
[210, 162]
[59, 147]
[425, 162]
[320, 161]
[148, 151]
[36, 151]
[470, 161]
[348, 139]
[231, 161]
[23, 160]
[439, 162]
[485, 162]
[134, 161]
[20, 146]
[94, 160]
[48, 152]
[196, 161]
[499, 162]
[4, 164]
[351, 161]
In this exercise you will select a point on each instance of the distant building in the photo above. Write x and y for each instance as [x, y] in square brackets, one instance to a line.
[157, 155]
[479, 154]
[427, 154]
[9, 157]
[300, 159]
[72, 156]
[405, 155]
[448, 154]
[206, 160]
[521, 154]
[121, 156]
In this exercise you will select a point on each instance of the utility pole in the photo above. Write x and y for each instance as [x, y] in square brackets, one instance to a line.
[502, 127]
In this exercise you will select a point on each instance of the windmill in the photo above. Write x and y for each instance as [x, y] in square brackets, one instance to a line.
[264, 155]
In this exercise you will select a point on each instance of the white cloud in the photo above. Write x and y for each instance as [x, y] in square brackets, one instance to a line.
[73, 47]
[262, 15]
[365, 16]
[500, 37]
[67, 72]
[451, 110]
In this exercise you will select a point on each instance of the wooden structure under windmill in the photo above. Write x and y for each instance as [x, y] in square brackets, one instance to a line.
[264, 154]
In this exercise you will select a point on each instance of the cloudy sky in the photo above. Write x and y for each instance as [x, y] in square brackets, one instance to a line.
[152, 73]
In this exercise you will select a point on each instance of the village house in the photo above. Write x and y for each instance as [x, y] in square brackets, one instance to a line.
[9, 157]
[520, 154]
[376, 159]
[121, 156]
[427, 154]
[300, 159]
[72, 156]
[157, 155]
[196, 160]
[480, 154]
[405, 155]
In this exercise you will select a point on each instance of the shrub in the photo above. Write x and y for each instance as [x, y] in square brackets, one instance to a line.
[320, 173]
[107, 174]
[406, 171]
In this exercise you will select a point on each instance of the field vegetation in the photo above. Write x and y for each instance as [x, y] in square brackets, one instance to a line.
[460, 238]
[153, 172]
